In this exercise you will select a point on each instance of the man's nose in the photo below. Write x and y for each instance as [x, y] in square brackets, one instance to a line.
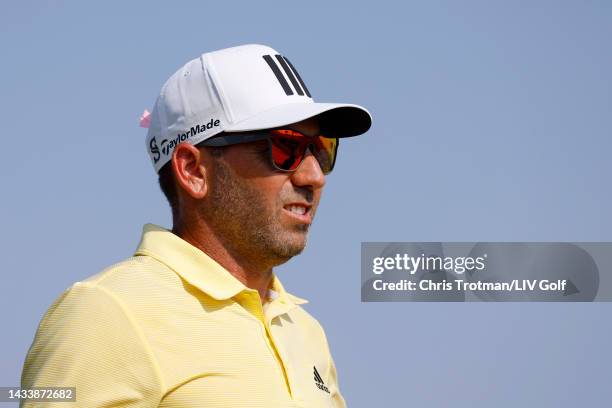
[309, 172]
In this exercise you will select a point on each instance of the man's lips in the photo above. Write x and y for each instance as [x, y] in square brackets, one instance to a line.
[301, 212]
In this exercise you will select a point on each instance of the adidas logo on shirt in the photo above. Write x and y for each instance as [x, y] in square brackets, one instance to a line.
[319, 381]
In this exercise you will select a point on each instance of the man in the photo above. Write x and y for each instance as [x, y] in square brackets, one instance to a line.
[197, 318]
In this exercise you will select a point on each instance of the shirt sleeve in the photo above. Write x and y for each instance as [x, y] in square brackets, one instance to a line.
[88, 340]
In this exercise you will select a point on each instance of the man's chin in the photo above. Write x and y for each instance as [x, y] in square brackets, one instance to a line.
[291, 245]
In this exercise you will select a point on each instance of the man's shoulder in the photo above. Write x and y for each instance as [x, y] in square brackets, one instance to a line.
[133, 269]
[135, 282]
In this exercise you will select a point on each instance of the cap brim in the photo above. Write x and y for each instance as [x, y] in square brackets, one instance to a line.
[335, 119]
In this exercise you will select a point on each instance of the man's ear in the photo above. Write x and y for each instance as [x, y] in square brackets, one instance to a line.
[189, 170]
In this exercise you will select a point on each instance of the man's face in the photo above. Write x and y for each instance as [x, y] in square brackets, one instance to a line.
[258, 211]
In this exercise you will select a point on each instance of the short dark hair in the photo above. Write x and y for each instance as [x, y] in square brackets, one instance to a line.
[168, 185]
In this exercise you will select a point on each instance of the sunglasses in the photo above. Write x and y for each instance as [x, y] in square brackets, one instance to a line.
[287, 148]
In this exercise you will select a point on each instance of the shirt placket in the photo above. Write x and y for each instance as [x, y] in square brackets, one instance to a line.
[275, 310]
[251, 301]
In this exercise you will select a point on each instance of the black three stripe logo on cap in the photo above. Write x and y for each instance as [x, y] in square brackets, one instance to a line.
[290, 71]
[319, 381]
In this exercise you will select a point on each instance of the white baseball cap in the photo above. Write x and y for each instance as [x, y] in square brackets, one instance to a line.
[249, 87]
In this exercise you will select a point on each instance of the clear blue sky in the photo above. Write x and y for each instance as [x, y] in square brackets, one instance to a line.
[492, 122]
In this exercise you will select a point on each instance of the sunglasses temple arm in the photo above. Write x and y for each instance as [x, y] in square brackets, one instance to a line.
[227, 139]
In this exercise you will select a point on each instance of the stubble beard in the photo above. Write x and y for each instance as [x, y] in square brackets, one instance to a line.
[244, 224]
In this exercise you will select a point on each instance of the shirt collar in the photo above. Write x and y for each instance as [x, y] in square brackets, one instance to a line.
[196, 267]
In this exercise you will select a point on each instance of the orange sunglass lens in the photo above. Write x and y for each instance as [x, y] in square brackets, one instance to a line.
[289, 147]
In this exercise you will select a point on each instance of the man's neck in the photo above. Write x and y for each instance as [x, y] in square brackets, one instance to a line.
[251, 273]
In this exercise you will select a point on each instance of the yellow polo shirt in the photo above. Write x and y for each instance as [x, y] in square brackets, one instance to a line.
[170, 327]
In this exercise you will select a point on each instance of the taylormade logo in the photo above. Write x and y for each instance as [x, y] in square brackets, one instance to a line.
[168, 145]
